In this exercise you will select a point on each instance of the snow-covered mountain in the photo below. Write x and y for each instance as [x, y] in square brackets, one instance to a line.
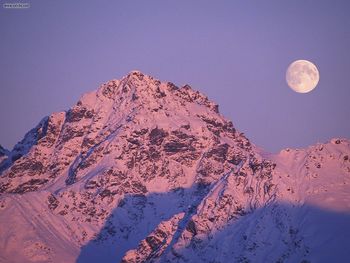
[144, 171]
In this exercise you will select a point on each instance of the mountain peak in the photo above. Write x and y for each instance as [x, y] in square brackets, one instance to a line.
[136, 73]
[136, 102]
[152, 172]
[137, 90]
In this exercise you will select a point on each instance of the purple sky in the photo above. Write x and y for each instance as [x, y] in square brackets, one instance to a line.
[233, 51]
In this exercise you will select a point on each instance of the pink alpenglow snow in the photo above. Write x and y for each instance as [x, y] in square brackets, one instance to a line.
[144, 171]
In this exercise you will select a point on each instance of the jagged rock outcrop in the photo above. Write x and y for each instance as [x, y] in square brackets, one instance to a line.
[144, 171]
[155, 244]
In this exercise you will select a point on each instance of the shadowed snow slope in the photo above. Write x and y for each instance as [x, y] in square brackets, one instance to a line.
[143, 171]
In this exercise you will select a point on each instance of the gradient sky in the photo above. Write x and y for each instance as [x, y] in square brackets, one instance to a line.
[236, 52]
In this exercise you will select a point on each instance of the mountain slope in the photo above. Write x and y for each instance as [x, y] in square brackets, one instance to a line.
[141, 170]
[308, 220]
[3, 153]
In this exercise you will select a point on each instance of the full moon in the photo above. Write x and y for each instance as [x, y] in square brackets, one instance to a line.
[302, 76]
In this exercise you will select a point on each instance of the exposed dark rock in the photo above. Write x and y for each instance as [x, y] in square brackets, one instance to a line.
[235, 157]
[70, 133]
[29, 186]
[154, 241]
[154, 154]
[106, 193]
[134, 97]
[52, 202]
[91, 184]
[157, 136]
[175, 147]
[191, 227]
[139, 75]
[219, 152]
[109, 89]
[183, 136]
[4, 187]
[28, 165]
[216, 126]
[171, 86]
[267, 187]
[211, 121]
[228, 127]
[77, 113]
[249, 190]
[186, 126]
[88, 143]
[239, 210]
[141, 132]
[255, 165]
[138, 187]
[133, 141]
[159, 93]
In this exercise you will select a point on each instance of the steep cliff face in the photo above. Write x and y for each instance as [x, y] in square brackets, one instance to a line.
[141, 170]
